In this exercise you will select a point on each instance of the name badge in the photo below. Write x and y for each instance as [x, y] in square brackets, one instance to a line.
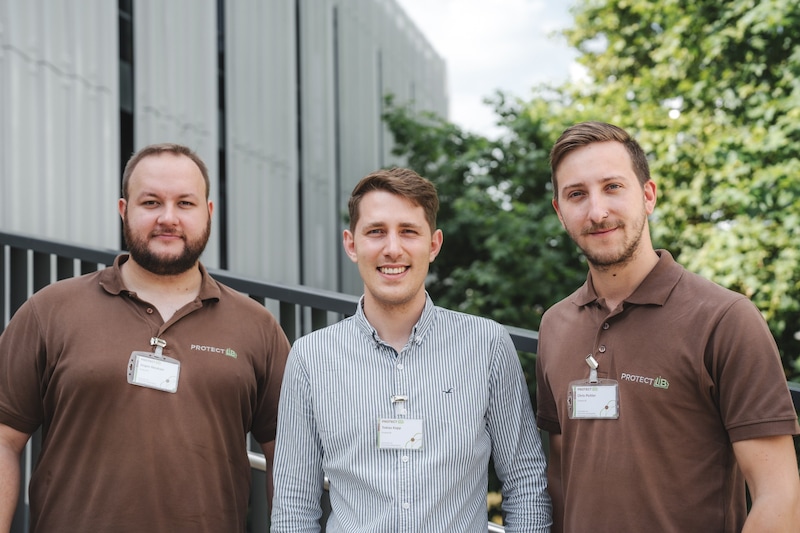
[400, 433]
[598, 399]
[149, 370]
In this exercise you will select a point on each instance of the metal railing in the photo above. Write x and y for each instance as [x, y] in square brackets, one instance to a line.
[29, 263]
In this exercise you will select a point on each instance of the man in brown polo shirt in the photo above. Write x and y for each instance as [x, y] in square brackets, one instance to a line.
[144, 377]
[663, 393]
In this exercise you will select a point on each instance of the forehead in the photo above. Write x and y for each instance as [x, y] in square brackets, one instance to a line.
[167, 172]
[383, 207]
[596, 161]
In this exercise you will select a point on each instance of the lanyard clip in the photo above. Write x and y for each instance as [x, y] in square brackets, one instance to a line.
[592, 362]
[399, 402]
[159, 344]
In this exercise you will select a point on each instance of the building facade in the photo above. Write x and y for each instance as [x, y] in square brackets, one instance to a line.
[281, 98]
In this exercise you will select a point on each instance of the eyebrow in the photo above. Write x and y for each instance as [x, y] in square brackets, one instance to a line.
[604, 180]
[381, 224]
[151, 194]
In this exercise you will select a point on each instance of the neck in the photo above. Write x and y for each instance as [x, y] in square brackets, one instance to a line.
[616, 283]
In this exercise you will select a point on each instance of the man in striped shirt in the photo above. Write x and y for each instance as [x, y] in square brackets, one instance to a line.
[402, 405]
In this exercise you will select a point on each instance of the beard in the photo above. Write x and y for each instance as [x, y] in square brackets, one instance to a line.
[165, 265]
[604, 260]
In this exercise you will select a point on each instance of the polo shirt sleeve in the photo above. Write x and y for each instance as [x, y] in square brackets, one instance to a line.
[750, 384]
[271, 368]
[22, 360]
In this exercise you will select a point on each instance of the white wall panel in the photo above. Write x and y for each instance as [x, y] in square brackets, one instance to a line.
[262, 158]
[175, 77]
[59, 148]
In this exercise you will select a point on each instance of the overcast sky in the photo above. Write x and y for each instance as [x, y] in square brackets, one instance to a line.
[490, 45]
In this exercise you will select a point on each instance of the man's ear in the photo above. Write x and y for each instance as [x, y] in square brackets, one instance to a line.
[349, 243]
[436, 244]
[558, 212]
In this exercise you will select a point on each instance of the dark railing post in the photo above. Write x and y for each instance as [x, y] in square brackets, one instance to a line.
[18, 283]
[41, 270]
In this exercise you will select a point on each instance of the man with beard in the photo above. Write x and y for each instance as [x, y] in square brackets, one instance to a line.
[145, 378]
[663, 393]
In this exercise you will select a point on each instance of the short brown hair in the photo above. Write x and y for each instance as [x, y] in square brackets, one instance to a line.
[402, 182]
[586, 133]
[156, 149]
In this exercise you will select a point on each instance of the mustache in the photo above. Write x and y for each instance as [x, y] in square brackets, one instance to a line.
[595, 228]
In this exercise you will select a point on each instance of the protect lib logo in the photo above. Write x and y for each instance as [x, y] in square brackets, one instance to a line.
[661, 383]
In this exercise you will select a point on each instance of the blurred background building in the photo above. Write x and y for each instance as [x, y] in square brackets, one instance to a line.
[281, 98]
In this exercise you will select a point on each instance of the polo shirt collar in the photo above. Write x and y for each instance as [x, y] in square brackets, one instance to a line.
[111, 280]
[654, 289]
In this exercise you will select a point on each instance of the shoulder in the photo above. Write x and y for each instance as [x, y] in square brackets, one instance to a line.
[563, 306]
[232, 298]
[698, 285]
[466, 322]
[67, 289]
[343, 331]
[706, 299]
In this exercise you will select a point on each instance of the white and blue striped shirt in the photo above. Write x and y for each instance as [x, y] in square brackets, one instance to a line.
[462, 377]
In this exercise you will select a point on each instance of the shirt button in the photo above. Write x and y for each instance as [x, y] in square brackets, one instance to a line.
[602, 349]
[399, 366]
[606, 325]
[405, 458]
[406, 505]
[150, 311]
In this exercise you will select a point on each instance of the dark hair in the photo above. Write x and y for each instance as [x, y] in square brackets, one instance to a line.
[586, 133]
[402, 182]
[156, 149]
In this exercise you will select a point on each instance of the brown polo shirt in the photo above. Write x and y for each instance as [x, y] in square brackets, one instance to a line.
[697, 369]
[124, 458]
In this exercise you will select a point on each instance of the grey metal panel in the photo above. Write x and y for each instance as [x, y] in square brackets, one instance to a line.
[322, 220]
[59, 121]
[175, 76]
[261, 111]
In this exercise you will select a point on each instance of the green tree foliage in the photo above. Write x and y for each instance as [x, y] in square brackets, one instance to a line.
[711, 89]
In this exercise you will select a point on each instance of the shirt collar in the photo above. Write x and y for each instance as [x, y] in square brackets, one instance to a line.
[418, 332]
[654, 289]
[111, 280]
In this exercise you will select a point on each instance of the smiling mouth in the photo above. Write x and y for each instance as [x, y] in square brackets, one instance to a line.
[393, 270]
